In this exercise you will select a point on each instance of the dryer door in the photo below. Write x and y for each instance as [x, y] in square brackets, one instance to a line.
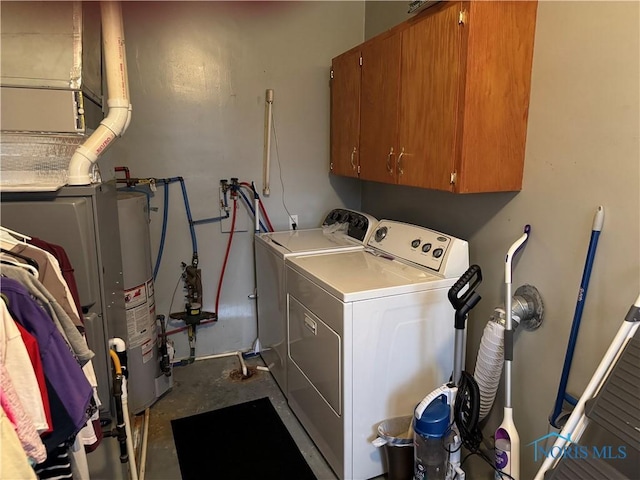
[316, 350]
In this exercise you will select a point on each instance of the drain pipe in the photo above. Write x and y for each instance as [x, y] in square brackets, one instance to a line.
[118, 345]
[145, 444]
[119, 115]
[243, 365]
[238, 353]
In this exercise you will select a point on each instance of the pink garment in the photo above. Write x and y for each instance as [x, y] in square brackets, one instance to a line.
[34, 356]
[25, 429]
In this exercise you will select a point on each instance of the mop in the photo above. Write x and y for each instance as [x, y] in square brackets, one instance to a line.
[559, 415]
[507, 440]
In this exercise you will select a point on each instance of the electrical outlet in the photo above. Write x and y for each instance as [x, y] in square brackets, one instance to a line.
[293, 219]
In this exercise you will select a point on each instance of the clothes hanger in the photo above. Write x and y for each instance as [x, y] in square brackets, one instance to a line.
[30, 268]
[29, 260]
[11, 236]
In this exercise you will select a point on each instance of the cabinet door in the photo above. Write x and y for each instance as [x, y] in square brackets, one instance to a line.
[345, 113]
[430, 80]
[379, 108]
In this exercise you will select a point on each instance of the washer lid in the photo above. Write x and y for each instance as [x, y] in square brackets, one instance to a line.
[312, 240]
[361, 275]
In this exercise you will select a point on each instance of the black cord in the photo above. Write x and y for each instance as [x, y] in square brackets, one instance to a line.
[467, 416]
[467, 412]
[487, 460]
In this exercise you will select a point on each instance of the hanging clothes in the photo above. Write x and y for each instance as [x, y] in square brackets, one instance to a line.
[10, 402]
[14, 356]
[72, 392]
[33, 350]
[65, 325]
[45, 311]
[57, 466]
[8, 259]
[65, 267]
[50, 275]
[13, 462]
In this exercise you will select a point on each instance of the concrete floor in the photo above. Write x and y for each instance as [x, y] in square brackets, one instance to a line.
[208, 385]
[211, 384]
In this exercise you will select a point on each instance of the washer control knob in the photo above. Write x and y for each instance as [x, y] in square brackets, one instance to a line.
[426, 247]
[415, 243]
[438, 252]
[380, 234]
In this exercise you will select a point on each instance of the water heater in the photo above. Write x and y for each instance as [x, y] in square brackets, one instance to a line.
[147, 381]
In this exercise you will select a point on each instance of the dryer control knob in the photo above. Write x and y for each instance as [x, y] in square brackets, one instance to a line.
[380, 234]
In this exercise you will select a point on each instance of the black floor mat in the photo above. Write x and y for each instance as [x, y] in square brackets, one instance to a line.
[239, 442]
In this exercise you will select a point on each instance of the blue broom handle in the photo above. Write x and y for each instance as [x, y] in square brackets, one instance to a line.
[577, 317]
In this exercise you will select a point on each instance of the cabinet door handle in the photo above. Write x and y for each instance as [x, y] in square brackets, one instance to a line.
[353, 156]
[389, 162]
[399, 163]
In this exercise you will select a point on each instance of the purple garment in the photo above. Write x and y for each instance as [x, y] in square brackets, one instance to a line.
[61, 369]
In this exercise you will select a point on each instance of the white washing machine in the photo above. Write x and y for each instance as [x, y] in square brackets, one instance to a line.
[341, 230]
[371, 332]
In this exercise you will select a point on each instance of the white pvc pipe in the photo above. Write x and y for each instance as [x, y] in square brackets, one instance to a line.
[228, 354]
[267, 142]
[133, 470]
[119, 115]
[118, 344]
[577, 422]
[145, 443]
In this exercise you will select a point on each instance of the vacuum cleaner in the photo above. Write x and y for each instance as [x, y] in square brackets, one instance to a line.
[447, 418]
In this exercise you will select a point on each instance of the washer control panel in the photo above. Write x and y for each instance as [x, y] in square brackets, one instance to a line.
[358, 225]
[444, 254]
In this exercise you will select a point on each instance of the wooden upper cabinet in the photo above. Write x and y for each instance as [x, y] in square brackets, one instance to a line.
[495, 103]
[345, 114]
[444, 98]
[379, 95]
[428, 100]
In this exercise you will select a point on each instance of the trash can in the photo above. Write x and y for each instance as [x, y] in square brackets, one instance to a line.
[395, 435]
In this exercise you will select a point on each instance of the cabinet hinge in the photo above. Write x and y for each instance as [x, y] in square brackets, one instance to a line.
[358, 169]
[462, 17]
[360, 60]
[331, 74]
[453, 178]
[331, 166]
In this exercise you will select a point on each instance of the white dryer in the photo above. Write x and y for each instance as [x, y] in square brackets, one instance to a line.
[370, 333]
[341, 230]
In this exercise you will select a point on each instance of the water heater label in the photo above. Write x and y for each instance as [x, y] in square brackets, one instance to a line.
[140, 306]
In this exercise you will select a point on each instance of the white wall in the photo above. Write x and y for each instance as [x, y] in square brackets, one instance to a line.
[198, 73]
[582, 151]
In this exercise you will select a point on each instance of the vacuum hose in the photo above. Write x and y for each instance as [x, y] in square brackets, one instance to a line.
[527, 312]
[489, 364]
